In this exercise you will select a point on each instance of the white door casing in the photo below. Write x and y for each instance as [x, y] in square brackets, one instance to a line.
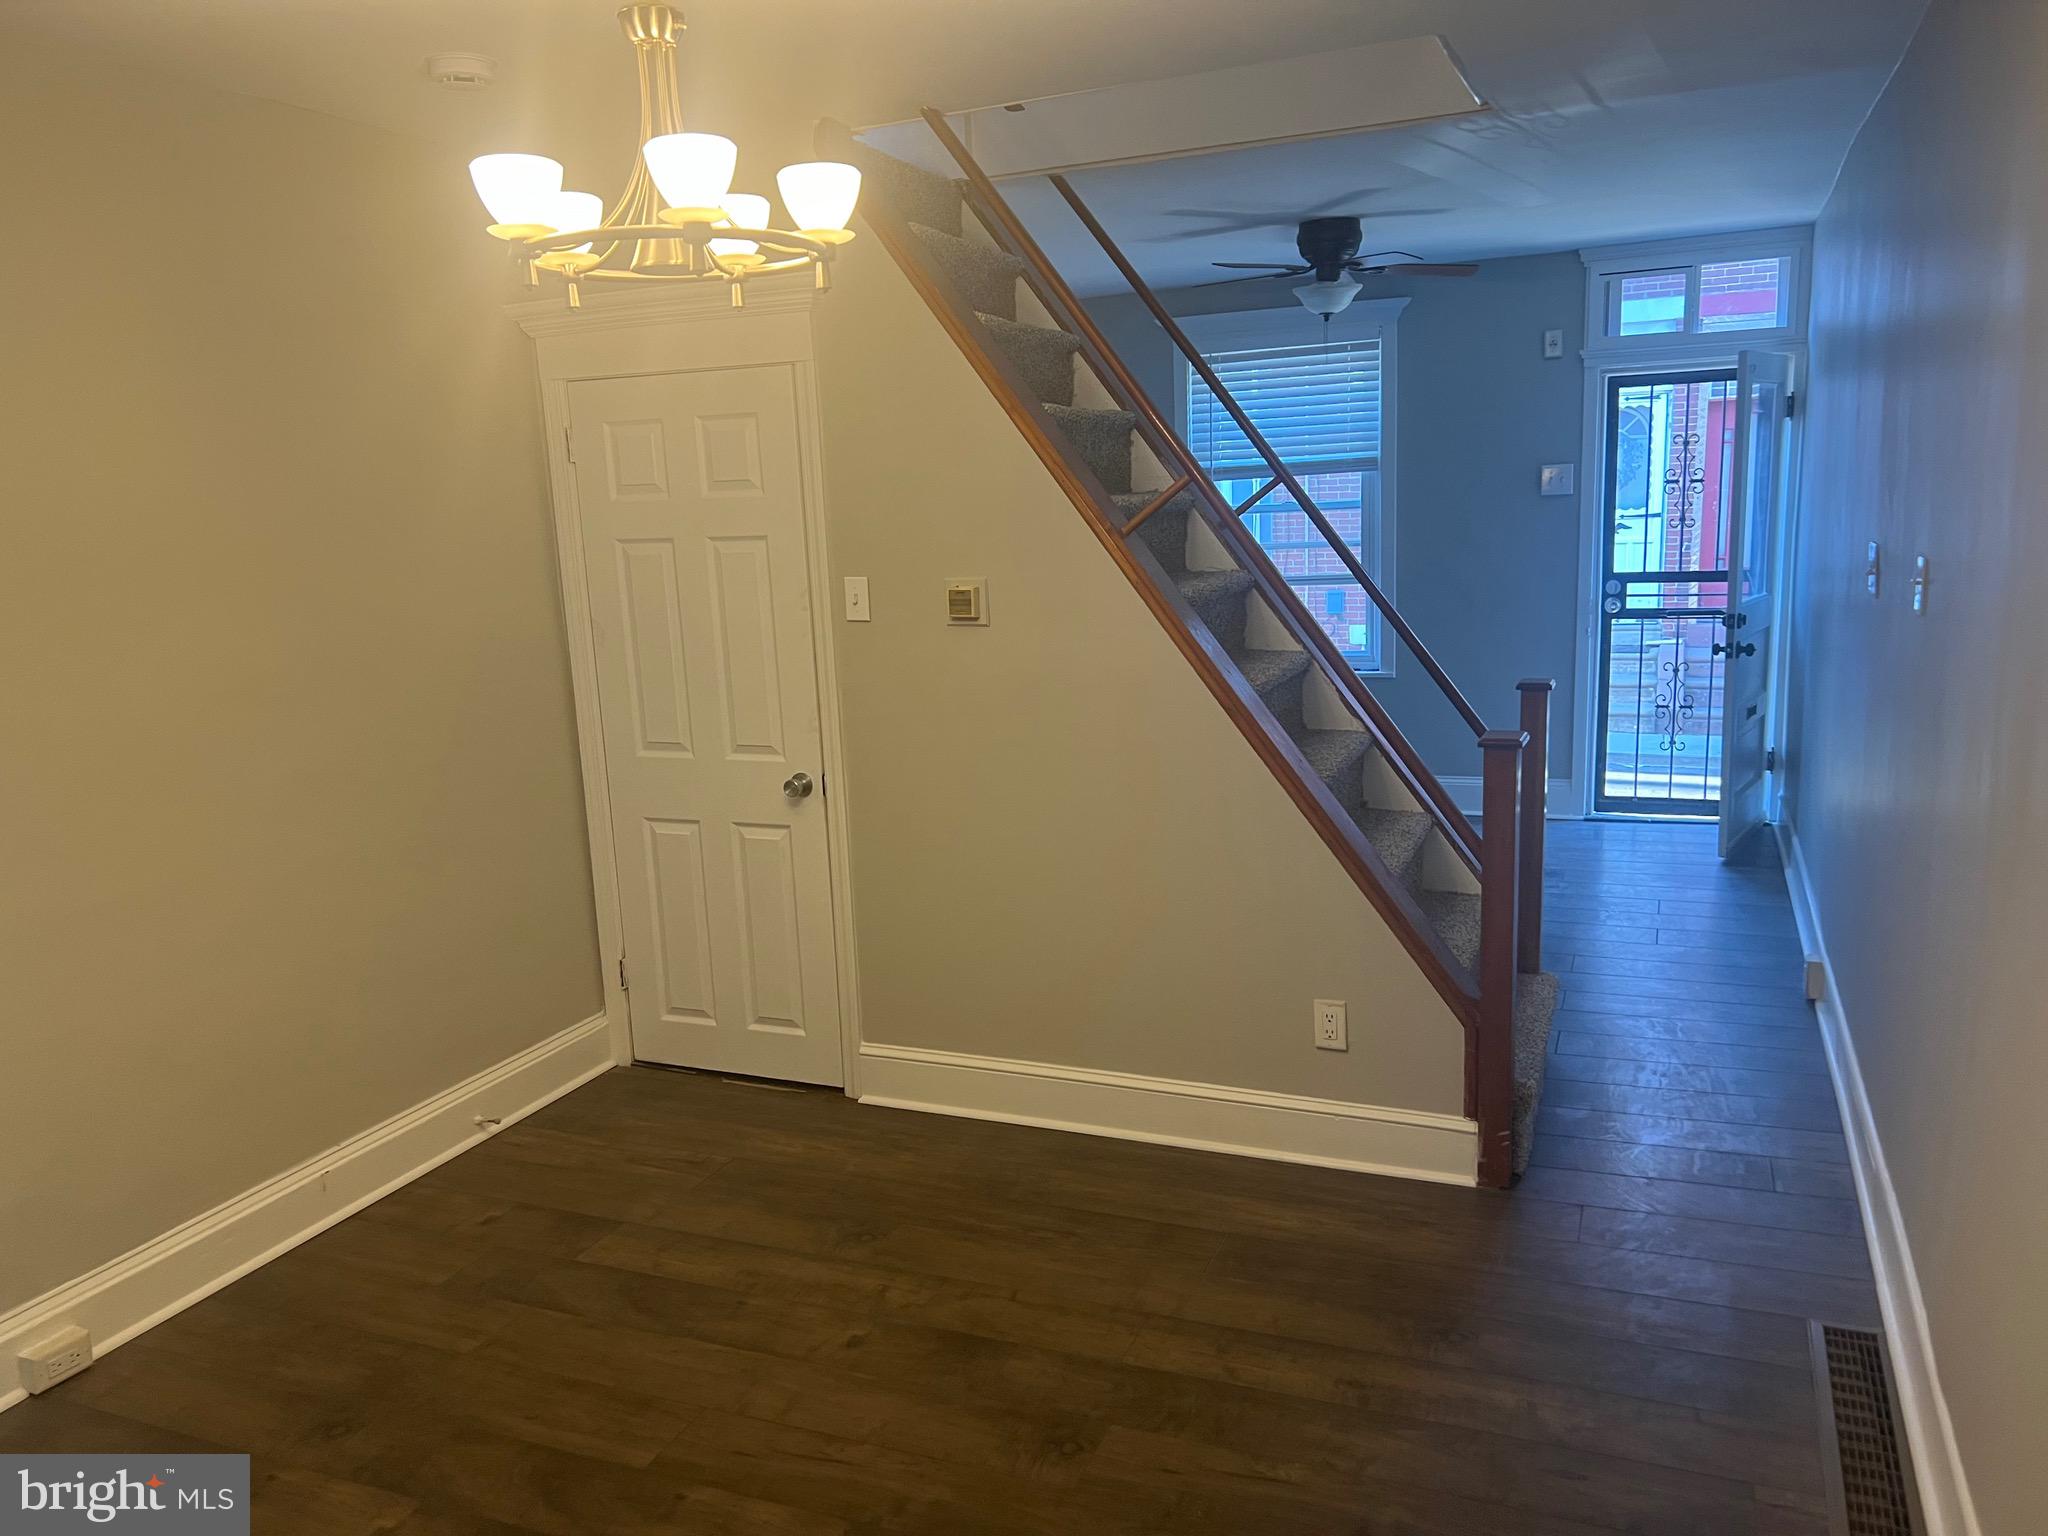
[690, 495]
[1763, 385]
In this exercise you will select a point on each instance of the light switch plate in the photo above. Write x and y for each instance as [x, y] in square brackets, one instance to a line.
[1553, 344]
[857, 611]
[1556, 480]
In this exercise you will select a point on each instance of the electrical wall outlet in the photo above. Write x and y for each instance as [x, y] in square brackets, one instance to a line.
[62, 1355]
[1553, 344]
[1331, 1032]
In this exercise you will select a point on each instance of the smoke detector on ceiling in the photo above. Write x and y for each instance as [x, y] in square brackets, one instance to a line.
[461, 71]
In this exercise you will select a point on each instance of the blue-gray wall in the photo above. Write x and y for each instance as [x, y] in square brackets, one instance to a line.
[1920, 760]
[1486, 570]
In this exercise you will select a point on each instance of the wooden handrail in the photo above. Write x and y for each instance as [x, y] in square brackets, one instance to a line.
[1305, 502]
[1165, 442]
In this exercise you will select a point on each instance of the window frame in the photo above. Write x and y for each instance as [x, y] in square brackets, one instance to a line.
[1363, 319]
[1794, 247]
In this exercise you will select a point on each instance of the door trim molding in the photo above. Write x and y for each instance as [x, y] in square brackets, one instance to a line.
[1246, 1122]
[1936, 1459]
[690, 330]
[1599, 368]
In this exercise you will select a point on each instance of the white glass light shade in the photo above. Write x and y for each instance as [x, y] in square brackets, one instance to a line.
[519, 190]
[743, 210]
[692, 171]
[577, 210]
[819, 195]
[1327, 299]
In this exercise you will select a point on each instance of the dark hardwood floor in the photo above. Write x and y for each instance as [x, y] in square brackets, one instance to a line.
[671, 1303]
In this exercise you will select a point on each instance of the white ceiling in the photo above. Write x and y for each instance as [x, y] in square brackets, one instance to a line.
[1617, 119]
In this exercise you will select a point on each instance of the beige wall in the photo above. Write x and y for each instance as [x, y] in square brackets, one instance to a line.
[292, 830]
[1921, 757]
[1062, 849]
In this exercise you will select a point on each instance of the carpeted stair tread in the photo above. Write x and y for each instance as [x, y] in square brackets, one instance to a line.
[987, 274]
[1218, 599]
[1455, 917]
[1337, 757]
[1268, 670]
[916, 194]
[1201, 586]
[1165, 532]
[1104, 438]
[1044, 356]
[1397, 836]
[1535, 1005]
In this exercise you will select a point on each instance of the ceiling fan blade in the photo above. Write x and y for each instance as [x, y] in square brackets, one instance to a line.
[1273, 266]
[1417, 269]
[1249, 277]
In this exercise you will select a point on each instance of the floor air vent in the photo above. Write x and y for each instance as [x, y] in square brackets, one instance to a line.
[1869, 1486]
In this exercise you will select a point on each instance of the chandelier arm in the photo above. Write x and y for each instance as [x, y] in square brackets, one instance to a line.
[779, 239]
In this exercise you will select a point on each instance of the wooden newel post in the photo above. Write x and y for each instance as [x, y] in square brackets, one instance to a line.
[1535, 693]
[1499, 895]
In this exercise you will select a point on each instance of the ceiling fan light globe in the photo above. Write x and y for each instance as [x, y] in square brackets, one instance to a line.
[1327, 299]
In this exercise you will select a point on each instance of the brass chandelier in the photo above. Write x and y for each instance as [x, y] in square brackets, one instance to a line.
[678, 219]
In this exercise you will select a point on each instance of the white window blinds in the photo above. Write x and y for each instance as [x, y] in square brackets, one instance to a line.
[1318, 405]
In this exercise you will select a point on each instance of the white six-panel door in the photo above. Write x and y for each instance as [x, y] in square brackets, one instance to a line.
[691, 502]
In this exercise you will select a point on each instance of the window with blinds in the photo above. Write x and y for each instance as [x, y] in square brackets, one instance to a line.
[1320, 404]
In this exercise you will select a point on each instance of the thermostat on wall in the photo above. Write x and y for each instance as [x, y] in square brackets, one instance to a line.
[967, 602]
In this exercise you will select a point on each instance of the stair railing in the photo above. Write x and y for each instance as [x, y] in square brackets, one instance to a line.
[1508, 860]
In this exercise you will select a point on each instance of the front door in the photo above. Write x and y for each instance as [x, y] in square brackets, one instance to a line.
[1664, 589]
[1763, 385]
[690, 492]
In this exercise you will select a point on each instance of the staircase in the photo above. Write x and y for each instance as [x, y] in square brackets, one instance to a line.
[1466, 903]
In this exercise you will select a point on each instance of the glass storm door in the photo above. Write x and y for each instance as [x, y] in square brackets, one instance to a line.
[1763, 386]
[1664, 592]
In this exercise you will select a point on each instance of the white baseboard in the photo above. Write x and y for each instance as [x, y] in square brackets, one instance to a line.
[1944, 1491]
[1467, 792]
[140, 1289]
[1367, 1138]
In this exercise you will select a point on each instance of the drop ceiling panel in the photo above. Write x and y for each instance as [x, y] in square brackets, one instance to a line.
[1341, 91]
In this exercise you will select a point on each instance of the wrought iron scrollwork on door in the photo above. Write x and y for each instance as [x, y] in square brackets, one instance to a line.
[1674, 702]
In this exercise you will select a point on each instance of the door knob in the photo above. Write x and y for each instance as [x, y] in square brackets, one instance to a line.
[1746, 648]
[798, 786]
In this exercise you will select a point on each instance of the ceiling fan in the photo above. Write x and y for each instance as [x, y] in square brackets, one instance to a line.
[1329, 249]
